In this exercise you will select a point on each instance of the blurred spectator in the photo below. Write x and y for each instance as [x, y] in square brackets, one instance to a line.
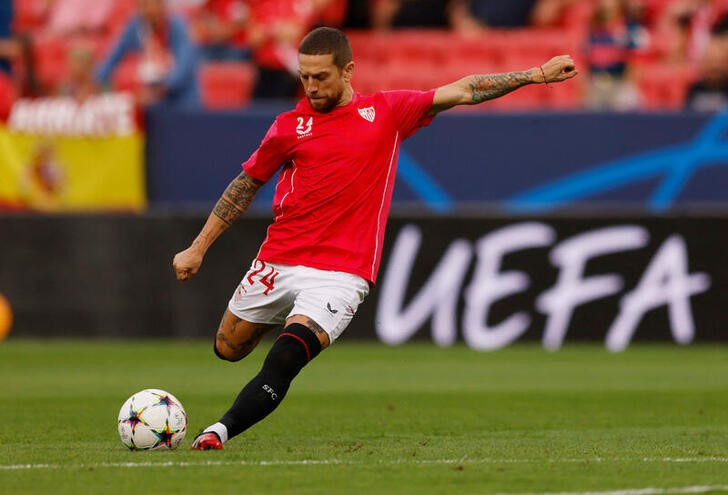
[358, 14]
[81, 82]
[75, 16]
[276, 27]
[637, 21]
[608, 54]
[29, 14]
[167, 67]
[330, 13]
[219, 28]
[7, 96]
[7, 92]
[684, 27]
[392, 14]
[721, 26]
[18, 52]
[6, 22]
[710, 92]
[548, 13]
[466, 14]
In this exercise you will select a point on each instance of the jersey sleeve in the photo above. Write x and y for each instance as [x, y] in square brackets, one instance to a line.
[269, 157]
[410, 109]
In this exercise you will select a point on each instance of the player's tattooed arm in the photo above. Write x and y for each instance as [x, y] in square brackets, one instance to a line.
[237, 198]
[477, 88]
[488, 86]
[234, 202]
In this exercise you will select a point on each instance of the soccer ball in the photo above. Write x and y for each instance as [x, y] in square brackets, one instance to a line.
[152, 420]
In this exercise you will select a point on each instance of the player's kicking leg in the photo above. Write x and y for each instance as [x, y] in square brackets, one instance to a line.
[314, 307]
[300, 341]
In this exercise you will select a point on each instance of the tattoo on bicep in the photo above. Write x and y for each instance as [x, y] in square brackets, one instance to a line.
[237, 198]
[488, 86]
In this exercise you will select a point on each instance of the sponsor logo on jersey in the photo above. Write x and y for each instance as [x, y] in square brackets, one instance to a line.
[367, 113]
[331, 310]
[303, 129]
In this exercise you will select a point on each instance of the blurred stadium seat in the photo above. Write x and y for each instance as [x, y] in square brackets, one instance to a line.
[226, 84]
[411, 58]
[29, 15]
[51, 54]
[7, 95]
[124, 77]
[424, 59]
[664, 86]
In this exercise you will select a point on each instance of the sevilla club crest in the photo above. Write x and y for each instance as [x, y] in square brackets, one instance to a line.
[367, 113]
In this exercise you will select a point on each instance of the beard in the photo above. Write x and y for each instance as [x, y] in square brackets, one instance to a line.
[324, 105]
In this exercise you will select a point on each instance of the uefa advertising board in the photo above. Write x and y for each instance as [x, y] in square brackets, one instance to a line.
[494, 282]
[487, 281]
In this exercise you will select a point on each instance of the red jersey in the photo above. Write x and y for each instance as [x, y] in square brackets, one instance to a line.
[334, 193]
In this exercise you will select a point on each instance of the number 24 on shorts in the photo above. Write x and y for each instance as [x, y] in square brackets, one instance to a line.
[268, 278]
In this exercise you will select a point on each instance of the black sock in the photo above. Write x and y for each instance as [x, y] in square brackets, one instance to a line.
[295, 347]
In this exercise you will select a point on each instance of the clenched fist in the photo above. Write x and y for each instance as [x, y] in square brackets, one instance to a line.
[559, 69]
[186, 263]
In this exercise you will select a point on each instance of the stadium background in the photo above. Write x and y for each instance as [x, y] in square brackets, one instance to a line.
[92, 217]
[584, 217]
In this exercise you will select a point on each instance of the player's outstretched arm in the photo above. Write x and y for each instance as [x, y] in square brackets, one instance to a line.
[478, 88]
[234, 202]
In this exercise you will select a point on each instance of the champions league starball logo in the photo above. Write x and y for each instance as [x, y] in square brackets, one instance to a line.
[670, 168]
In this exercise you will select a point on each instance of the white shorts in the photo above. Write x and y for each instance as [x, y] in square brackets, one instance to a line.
[270, 293]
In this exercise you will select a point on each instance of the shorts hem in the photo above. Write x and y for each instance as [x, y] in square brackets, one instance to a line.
[242, 316]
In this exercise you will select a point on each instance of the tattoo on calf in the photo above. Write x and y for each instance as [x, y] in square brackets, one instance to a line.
[312, 325]
[248, 345]
[241, 348]
[488, 86]
[223, 338]
[237, 198]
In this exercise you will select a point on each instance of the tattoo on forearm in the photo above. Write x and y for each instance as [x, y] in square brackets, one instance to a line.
[488, 86]
[226, 211]
[237, 198]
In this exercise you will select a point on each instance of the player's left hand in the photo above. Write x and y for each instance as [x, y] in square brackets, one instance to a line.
[186, 263]
[559, 68]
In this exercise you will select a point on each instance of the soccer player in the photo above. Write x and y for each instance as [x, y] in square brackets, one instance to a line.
[338, 154]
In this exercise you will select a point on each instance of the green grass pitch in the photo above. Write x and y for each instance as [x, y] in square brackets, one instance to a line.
[370, 419]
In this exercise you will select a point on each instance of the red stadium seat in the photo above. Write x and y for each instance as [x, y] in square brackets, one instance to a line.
[124, 77]
[369, 77]
[29, 15]
[664, 86]
[51, 60]
[421, 46]
[7, 96]
[226, 84]
[369, 46]
[51, 56]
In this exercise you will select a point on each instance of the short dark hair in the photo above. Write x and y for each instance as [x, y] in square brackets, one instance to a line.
[324, 41]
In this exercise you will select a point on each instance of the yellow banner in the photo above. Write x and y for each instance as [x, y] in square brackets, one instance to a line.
[70, 171]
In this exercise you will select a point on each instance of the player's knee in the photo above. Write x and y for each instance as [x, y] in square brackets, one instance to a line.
[226, 352]
[295, 347]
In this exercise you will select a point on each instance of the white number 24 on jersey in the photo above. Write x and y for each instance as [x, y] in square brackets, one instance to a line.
[304, 129]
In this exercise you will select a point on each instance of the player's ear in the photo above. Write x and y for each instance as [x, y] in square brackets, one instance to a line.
[348, 71]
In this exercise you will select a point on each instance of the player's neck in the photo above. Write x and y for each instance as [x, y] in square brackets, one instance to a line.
[346, 96]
